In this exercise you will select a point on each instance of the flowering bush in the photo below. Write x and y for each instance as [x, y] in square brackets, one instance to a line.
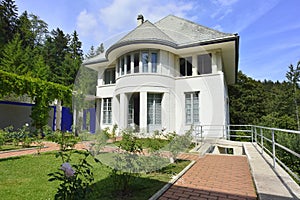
[74, 179]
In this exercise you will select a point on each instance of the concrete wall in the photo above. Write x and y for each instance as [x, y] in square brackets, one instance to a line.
[17, 114]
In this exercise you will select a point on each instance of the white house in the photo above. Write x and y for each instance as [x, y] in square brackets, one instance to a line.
[166, 75]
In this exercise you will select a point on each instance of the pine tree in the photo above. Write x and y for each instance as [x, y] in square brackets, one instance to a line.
[15, 59]
[293, 76]
[8, 21]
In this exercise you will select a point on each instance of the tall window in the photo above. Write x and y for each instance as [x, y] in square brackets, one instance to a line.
[110, 76]
[154, 62]
[154, 109]
[121, 65]
[145, 60]
[204, 64]
[107, 113]
[128, 64]
[186, 66]
[192, 107]
[136, 62]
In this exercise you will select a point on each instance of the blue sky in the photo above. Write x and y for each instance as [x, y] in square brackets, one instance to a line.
[269, 29]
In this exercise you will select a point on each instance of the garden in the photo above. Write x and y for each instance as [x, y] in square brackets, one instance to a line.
[127, 167]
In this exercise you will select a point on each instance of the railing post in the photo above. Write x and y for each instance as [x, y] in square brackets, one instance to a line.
[201, 134]
[262, 141]
[273, 148]
[251, 133]
[255, 133]
[228, 132]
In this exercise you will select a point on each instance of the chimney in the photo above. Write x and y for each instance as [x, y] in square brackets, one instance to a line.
[140, 20]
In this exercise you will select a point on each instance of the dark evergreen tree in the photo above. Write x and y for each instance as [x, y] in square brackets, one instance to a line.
[8, 21]
[293, 76]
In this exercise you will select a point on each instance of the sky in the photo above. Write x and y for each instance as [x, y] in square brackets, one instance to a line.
[269, 30]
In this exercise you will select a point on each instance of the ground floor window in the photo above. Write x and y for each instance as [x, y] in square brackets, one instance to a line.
[154, 109]
[107, 113]
[192, 107]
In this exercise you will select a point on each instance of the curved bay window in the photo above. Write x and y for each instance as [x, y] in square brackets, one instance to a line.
[144, 61]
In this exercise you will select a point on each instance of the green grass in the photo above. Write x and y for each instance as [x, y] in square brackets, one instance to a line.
[26, 178]
[9, 147]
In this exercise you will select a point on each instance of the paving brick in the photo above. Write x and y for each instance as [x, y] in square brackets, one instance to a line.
[215, 177]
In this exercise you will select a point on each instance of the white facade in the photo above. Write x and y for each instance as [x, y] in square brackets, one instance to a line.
[155, 85]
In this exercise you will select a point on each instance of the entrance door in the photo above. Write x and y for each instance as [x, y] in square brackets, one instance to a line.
[134, 110]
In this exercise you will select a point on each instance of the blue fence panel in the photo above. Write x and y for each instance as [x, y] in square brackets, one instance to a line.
[66, 119]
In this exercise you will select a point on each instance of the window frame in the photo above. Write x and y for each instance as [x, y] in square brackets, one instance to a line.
[187, 66]
[107, 111]
[192, 110]
[155, 100]
[137, 57]
[112, 76]
[206, 64]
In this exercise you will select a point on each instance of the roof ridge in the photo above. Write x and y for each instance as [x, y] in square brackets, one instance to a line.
[194, 23]
[142, 26]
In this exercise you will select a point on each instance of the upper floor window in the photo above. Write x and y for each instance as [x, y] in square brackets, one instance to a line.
[186, 66]
[147, 58]
[204, 64]
[110, 76]
[154, 62]
[145, 61]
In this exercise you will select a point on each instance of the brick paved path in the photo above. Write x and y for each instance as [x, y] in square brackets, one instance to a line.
[214, 177]
[49, 146]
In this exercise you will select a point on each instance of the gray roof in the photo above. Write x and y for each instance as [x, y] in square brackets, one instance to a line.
[147, 32]
[173, 31]
[185, 32]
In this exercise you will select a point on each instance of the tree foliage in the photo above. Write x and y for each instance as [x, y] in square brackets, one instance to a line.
[42, 92]
[264, 103]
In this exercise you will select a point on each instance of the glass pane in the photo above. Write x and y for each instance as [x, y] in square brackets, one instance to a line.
[128, 64]
[122, 65]
[188, 108]
[154, 62]
[182, 66]
[189, 66]
[113, 74]
[145, 60]
[204, 64]
[136, 62]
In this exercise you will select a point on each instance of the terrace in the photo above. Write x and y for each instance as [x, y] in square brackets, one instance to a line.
[222, 171]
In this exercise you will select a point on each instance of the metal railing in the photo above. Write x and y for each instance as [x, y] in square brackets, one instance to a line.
[267, 138]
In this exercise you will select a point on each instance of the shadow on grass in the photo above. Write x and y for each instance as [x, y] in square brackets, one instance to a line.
[10, 158]
[139, 188]
[142, 186]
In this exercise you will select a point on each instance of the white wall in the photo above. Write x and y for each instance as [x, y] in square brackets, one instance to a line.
[211, 100]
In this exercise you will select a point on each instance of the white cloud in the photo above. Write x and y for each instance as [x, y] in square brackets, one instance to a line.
[86, 23]
[218, 27]
[225, 2]
[122, 14]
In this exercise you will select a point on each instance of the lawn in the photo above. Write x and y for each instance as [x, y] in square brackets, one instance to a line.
[26, 178]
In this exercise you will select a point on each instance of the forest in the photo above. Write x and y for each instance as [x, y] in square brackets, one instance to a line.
[29, 50]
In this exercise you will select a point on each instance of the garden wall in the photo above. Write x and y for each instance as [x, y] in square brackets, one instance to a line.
[17, 114]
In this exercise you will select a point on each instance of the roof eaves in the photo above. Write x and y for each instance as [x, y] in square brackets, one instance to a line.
[95, 61]
[207, 42]
[149, 41]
